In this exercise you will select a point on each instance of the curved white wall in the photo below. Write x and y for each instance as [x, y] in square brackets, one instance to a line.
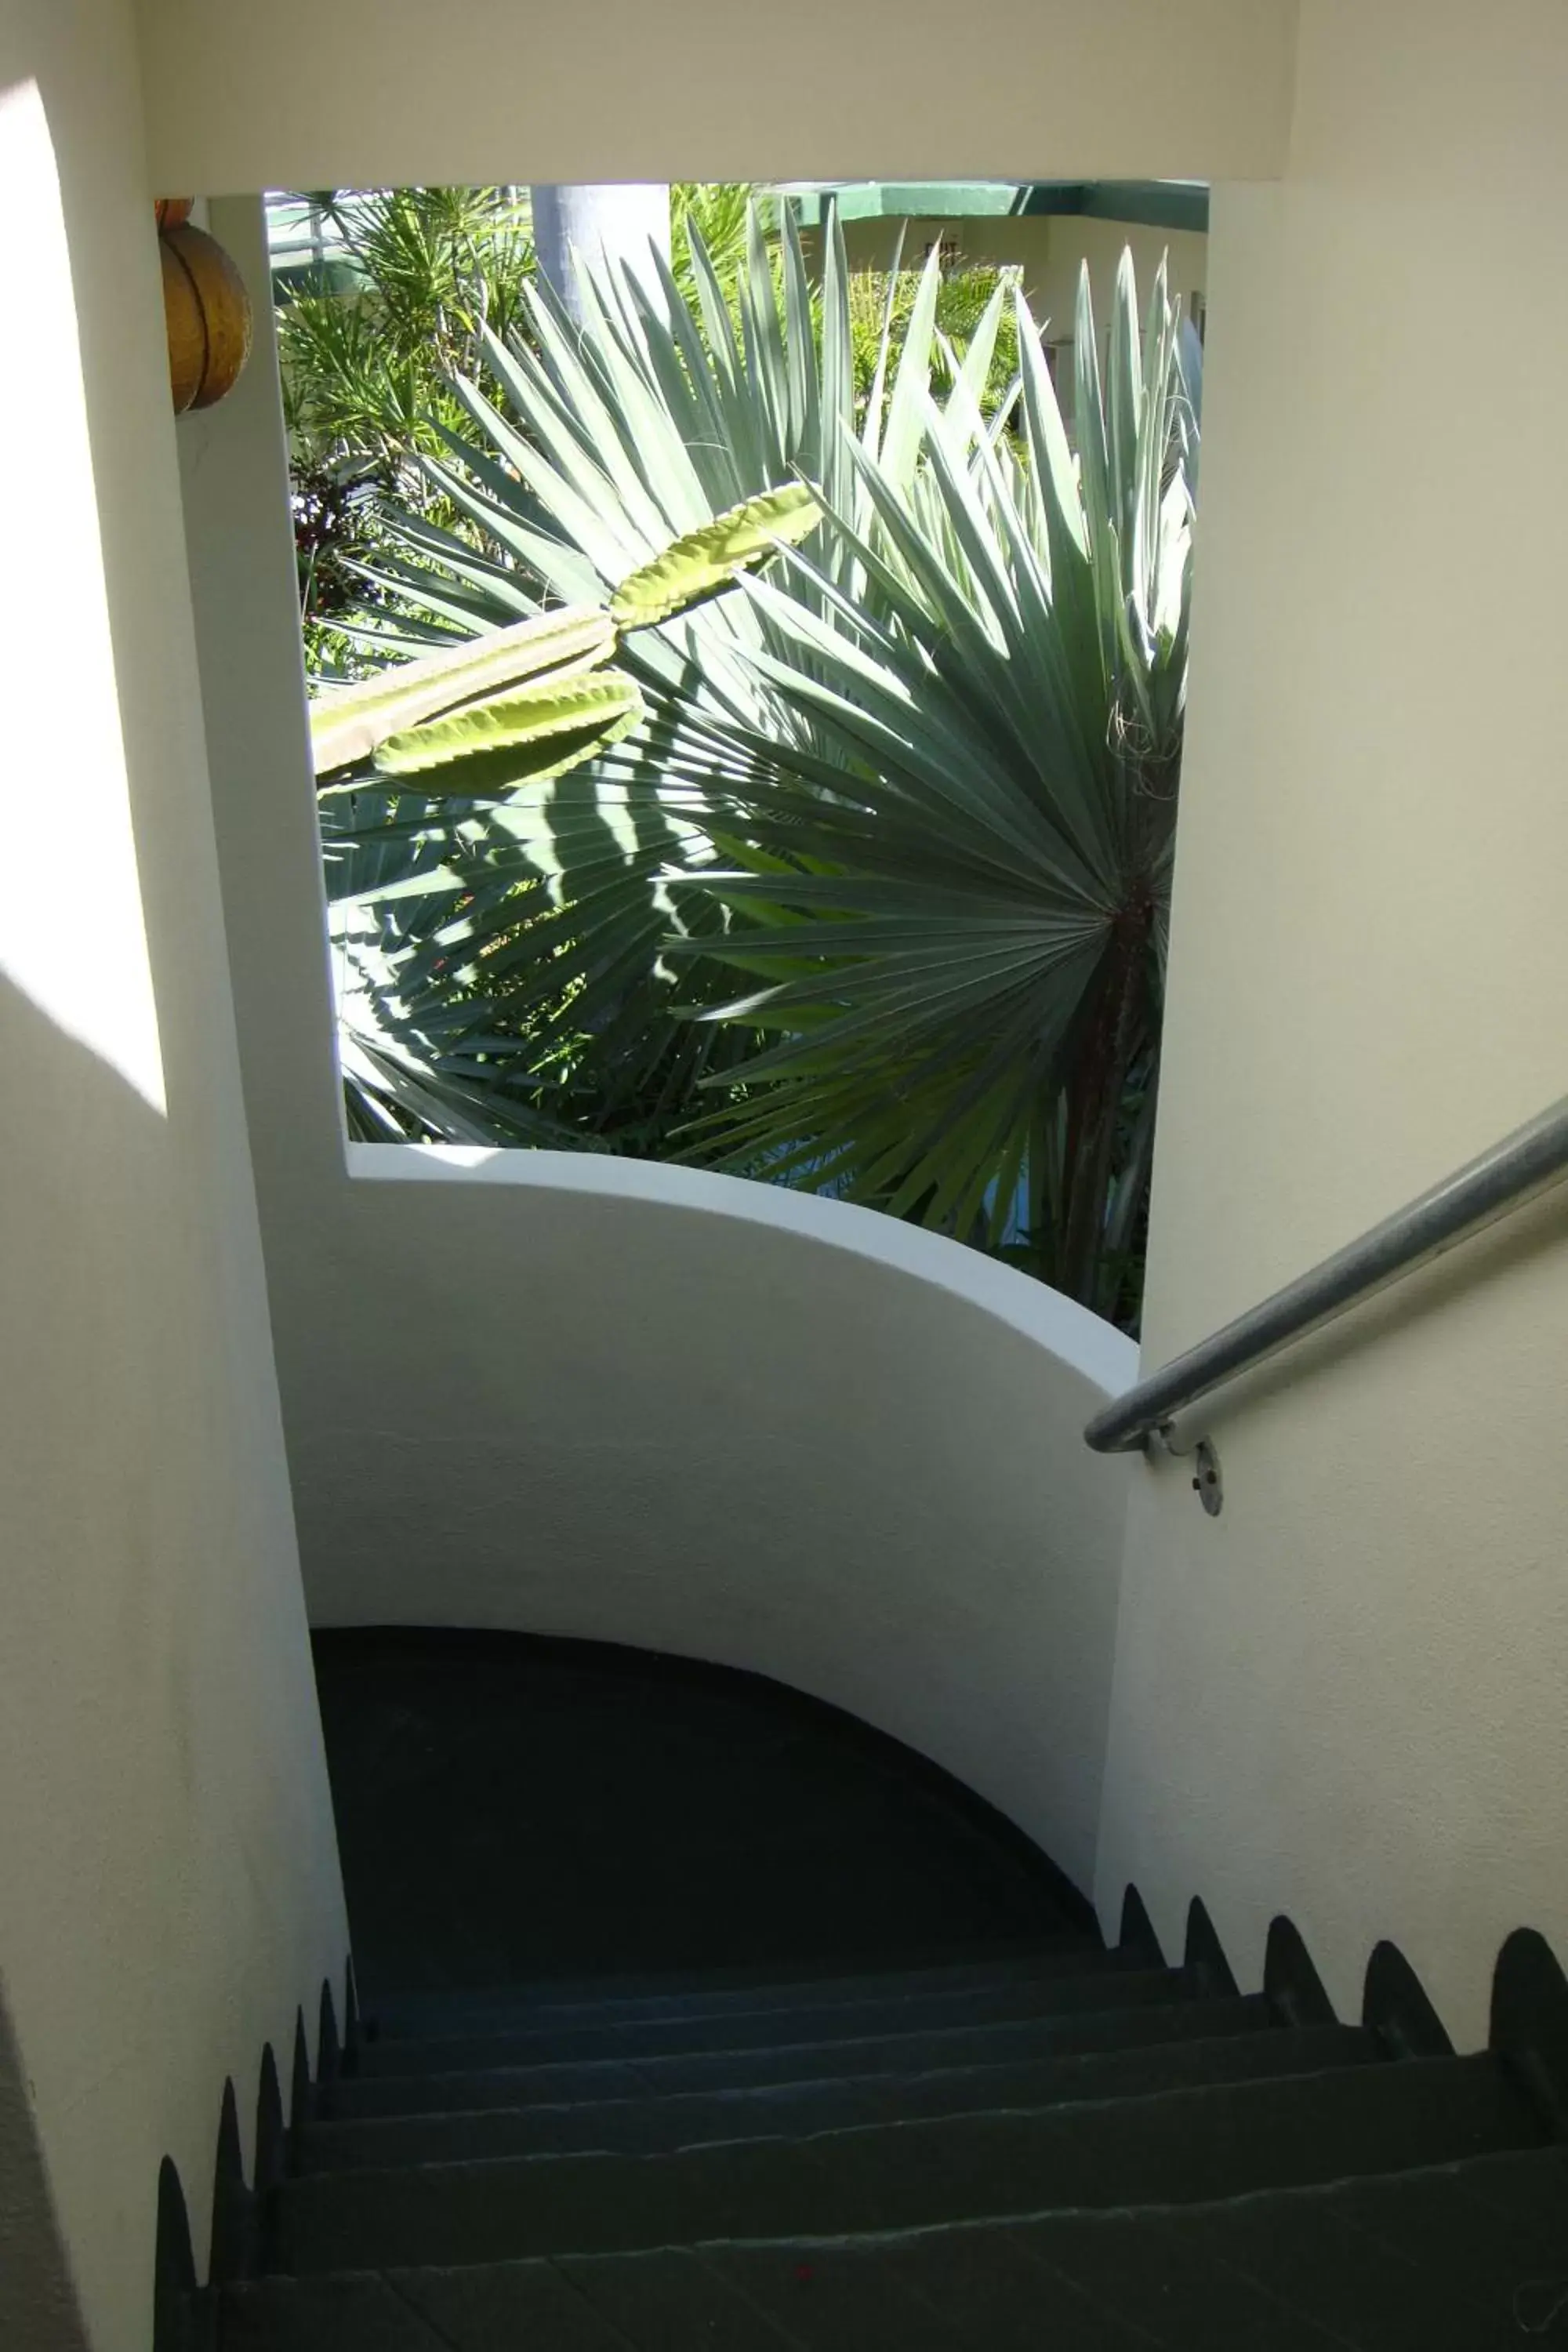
[643, 1404]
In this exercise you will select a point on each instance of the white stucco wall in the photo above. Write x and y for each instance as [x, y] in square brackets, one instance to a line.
[334, 93]
[643, 1404]
[1344, 1699]
[166, 1849]
[582, 1396]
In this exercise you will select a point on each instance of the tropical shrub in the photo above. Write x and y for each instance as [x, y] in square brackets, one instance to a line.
[882, 302]
[920, 788]
[367, 352]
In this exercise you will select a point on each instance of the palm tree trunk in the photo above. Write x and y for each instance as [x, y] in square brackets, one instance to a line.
[1100, 1080]
[620, 221]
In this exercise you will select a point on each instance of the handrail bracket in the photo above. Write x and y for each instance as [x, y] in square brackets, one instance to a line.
[1208, 1485]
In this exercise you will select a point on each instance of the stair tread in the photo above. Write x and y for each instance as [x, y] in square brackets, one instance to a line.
[644, 2125]
[1182, 2277]
[828, 2301]
[426, 2016]
[867, 2128]
[989, 2044]
[974, 2286]
[1183, 2146]
[1359, 2287]
[671, 2300]
[1173, 2294]
[479, 2312]
[1497, 2234]
[843, 2020]
[497, 2308]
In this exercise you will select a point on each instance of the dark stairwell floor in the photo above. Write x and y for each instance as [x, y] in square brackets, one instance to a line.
[696, 2017]
[512, 1809]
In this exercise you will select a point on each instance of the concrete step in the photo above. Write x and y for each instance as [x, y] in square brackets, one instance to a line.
[1173, 2146]
[1077, 1993]
[643, 2127]
[1470, 2256]
[510, 2009]
[382, 2093]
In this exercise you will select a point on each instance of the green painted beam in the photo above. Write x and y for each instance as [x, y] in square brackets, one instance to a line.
[1148, 203]
[1145, 204]
[906, 200]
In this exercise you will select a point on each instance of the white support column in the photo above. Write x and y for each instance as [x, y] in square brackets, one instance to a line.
[625, 221]
[234, 467]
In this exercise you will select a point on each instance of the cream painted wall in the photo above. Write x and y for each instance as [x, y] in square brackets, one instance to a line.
[632, 1402]
[1344, 1699]
[165, 1833]
[379, 92]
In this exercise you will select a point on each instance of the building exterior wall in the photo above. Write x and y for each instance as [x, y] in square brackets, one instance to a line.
[165, 1832]
[1344, 1698]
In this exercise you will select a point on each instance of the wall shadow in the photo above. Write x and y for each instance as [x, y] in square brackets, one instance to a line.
[38, 2305]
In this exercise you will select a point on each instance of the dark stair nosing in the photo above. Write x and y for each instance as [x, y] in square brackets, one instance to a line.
[659, 2124]
[1110, 2029]
[1191, 2145]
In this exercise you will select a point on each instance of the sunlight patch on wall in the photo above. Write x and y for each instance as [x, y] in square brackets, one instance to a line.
[72, 936]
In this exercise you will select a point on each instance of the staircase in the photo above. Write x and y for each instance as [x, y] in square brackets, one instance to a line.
[883, 2144]
[1058, 2146]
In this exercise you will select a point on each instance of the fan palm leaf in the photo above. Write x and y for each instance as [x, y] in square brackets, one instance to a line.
[916, 790]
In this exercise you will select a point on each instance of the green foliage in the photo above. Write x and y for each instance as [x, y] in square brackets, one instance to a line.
[365, 362]
[472, 725]
[525, 946]
[883, 300]
[918, 788]
[714, 214]
[368, 357]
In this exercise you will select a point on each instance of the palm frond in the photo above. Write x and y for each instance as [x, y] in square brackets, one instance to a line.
[874, 899]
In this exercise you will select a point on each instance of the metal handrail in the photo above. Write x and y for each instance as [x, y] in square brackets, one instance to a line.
[1524, 1164]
